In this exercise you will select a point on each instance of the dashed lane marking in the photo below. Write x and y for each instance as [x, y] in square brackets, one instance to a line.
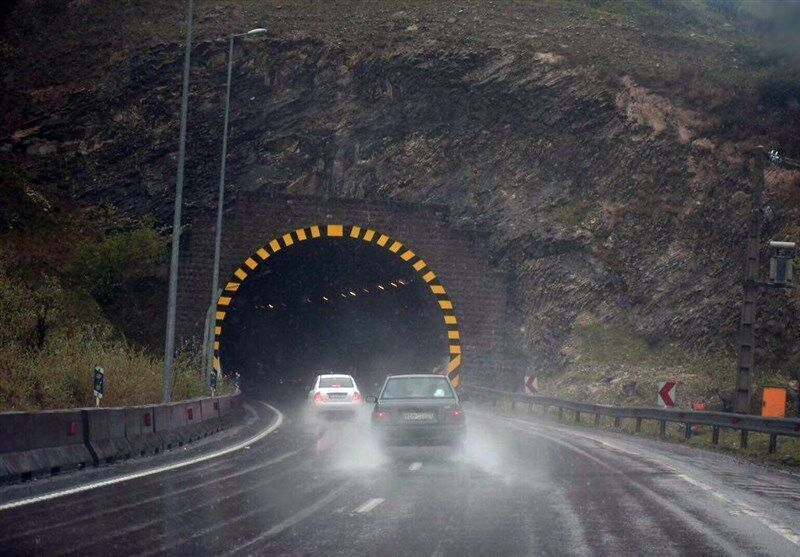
[369, 505]
[158, 470]
[415, 466]
[295, 518]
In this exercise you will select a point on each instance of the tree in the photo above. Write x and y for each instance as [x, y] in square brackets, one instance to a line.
[46, 300]
[103, 267]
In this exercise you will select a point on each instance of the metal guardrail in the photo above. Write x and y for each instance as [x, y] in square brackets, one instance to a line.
[745, 423]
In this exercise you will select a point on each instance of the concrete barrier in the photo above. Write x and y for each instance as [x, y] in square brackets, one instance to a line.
[140, 430]
[209, 408]
[107, 436]
[211, 423]
[163, 423]
[35, 443]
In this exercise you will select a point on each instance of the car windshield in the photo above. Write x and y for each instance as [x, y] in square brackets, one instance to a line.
[417, 387]
[335, 382]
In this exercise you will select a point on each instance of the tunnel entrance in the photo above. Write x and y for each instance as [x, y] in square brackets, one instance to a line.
[334, 305]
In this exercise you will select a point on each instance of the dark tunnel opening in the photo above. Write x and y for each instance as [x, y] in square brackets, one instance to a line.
[331, 305]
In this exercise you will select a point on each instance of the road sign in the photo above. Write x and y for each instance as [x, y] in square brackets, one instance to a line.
[531, 384]
[213, 379]
[666, 394]
[99, 384]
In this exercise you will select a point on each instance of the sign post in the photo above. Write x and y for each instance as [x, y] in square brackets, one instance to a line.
[99, 384]
[666, 394]
[531, 384]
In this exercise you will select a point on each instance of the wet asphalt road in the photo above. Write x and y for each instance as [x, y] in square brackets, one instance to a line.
[520, 488]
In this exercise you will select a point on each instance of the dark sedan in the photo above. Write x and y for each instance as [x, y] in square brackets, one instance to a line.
[418, 410]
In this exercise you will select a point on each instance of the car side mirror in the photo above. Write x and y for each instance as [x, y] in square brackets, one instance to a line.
[464, 397]
[372, 399]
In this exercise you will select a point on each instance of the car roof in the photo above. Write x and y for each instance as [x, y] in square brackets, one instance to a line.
[335, 375]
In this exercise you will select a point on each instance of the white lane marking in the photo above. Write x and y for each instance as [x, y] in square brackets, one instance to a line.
[369, 505]
[615, 447]
[415, 466]
[776, 527]
[212, 479]
[782, 530]
[300, 515]
[166, 468]
[739, 507]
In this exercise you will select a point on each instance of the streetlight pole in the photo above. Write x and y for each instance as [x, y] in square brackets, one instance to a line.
[220, 205]
[169, 344]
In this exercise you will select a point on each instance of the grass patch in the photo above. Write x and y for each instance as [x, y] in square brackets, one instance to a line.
[60, 374]
[613, 364]
[570, 213]
[65, 274]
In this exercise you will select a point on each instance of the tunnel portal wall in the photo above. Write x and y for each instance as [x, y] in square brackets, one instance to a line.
[477, 290]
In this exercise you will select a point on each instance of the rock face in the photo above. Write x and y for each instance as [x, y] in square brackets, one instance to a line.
[605, 199]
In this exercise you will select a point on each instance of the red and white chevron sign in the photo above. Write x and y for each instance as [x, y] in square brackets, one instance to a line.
[531, 385]
[666, 394]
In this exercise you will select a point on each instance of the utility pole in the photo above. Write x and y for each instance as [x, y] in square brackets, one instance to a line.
[169, 344]
[747, 337]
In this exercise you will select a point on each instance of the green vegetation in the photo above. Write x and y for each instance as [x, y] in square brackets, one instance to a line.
[60, 268]
[60, 374]
[570, 213]
[102, 268]
[613, 364]
[606, 344]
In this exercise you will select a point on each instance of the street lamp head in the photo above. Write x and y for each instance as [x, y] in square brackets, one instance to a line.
[256, 31]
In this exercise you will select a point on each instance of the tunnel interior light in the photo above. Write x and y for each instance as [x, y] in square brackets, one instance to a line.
[308, 300]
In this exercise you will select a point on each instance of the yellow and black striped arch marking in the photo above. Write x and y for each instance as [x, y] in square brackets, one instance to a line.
[354, 233]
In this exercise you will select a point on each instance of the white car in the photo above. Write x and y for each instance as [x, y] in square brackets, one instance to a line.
[335, 393]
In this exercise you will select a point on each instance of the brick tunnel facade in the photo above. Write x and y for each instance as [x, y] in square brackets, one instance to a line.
[477, 290]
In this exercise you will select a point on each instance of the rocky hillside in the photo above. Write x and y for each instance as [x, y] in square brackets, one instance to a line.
[597, 145]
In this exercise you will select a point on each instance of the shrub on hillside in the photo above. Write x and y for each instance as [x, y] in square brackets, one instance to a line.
[13, 308]
[60, 375]
[29, 310]
[103, 267]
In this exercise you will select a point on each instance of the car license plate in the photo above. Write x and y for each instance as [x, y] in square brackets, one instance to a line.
[418, 416]
[337, 396]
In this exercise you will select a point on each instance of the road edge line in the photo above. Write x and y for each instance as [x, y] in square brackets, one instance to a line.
[158, 470]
